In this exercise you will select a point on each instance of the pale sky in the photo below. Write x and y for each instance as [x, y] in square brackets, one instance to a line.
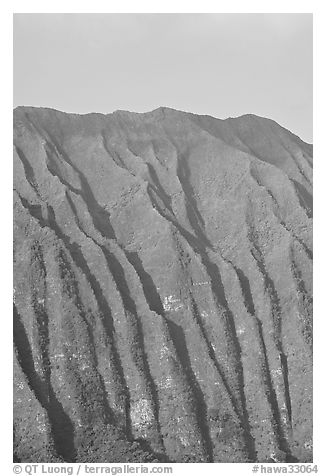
[224, 65]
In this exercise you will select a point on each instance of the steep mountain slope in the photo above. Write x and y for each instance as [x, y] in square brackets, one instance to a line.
[163, 288]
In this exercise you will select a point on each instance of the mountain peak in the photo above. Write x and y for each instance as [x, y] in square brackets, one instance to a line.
[162, 288]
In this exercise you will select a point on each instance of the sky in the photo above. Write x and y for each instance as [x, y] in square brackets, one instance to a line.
[223, 65]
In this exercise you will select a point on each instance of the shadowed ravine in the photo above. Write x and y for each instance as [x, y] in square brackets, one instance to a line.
[162, 288]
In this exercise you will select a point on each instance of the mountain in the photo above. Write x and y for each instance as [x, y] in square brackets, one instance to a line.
[162, 288]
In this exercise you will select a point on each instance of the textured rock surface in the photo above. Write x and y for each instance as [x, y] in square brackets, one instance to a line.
[163, 288]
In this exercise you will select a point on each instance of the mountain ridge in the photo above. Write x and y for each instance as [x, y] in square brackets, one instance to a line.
[157, 109]
[177, 251]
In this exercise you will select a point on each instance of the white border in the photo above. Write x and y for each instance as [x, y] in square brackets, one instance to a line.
[168, 6]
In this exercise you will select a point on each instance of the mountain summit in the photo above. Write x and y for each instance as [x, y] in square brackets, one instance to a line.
[163, 288]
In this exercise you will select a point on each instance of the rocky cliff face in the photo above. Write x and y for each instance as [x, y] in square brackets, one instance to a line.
[163, 288]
